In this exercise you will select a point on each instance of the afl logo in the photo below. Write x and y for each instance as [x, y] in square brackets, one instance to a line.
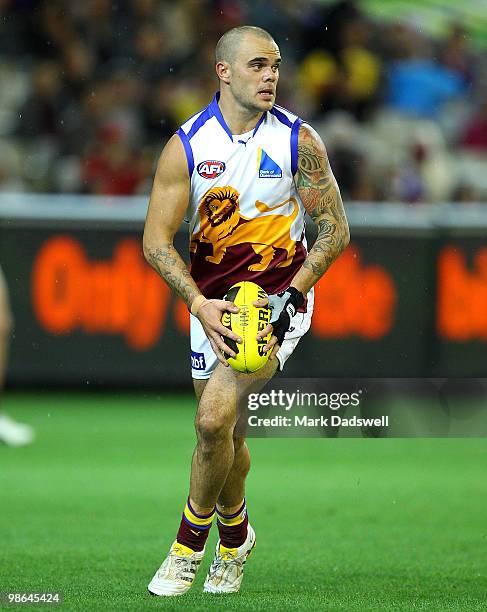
[211, 169]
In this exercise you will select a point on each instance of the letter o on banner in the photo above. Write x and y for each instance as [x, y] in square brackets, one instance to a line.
[57, 282]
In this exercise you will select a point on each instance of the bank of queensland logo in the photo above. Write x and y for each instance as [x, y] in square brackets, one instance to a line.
[266, 166]
[198, 361]
[210, 169]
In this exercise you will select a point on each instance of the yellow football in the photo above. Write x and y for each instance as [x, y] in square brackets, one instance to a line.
[249, 320]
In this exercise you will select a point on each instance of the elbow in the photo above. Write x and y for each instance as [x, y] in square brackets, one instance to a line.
[155, 248]
[146, 248]
[345, 238]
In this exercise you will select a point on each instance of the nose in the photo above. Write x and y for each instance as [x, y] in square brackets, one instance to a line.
[269, 75]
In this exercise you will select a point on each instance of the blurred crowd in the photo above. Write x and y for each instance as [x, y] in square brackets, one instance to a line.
[90, 92]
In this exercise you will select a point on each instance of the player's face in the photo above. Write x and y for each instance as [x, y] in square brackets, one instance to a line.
[254, 73]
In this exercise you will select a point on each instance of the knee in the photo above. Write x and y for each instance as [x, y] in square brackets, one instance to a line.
[212, 428]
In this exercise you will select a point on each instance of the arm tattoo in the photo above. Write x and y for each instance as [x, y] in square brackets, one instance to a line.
[167, 262]
[319, 193]
[311, 163]
[328, 245]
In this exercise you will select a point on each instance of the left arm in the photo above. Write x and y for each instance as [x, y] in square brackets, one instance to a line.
[318, 190]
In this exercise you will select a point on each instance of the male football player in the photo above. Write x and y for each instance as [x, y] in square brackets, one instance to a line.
[243, 171]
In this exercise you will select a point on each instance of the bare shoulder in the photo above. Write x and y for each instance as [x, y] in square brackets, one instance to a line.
[172, 165]
[170, 190]
[310, 144]
[313, 168]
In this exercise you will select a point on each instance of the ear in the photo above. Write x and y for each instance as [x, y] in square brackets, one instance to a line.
[223, 71]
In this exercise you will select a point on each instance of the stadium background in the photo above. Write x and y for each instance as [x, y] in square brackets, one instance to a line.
[89, 93]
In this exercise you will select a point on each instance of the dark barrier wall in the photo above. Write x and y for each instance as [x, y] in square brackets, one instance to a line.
[401, 301]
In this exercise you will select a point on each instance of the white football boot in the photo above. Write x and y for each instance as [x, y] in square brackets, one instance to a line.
[226, 572]
[13, 433]
[177, 573]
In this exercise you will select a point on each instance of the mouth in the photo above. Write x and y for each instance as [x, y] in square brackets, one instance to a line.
[266, 94]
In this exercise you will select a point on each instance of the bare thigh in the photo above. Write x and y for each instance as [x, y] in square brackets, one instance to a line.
[229, 387]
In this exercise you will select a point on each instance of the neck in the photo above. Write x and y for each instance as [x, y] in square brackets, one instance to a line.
[238, 119]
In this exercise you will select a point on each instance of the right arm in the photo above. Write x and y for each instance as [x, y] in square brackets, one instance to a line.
[168, 203]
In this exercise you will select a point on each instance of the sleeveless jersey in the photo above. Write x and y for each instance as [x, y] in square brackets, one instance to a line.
[246, 218]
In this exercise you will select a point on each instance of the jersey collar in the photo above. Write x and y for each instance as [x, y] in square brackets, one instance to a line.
[216, 112]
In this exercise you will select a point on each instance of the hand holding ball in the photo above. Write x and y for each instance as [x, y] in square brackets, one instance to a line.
[247, 322]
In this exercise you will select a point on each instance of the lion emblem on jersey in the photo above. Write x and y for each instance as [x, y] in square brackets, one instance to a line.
[221, 225]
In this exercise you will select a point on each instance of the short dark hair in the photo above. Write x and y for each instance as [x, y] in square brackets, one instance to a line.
[226, 47]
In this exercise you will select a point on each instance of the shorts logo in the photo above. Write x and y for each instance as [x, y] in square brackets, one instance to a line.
[291, 311]
[210, 169]
[198, 361]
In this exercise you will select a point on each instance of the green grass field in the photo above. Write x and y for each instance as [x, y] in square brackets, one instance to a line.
[91, 508]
